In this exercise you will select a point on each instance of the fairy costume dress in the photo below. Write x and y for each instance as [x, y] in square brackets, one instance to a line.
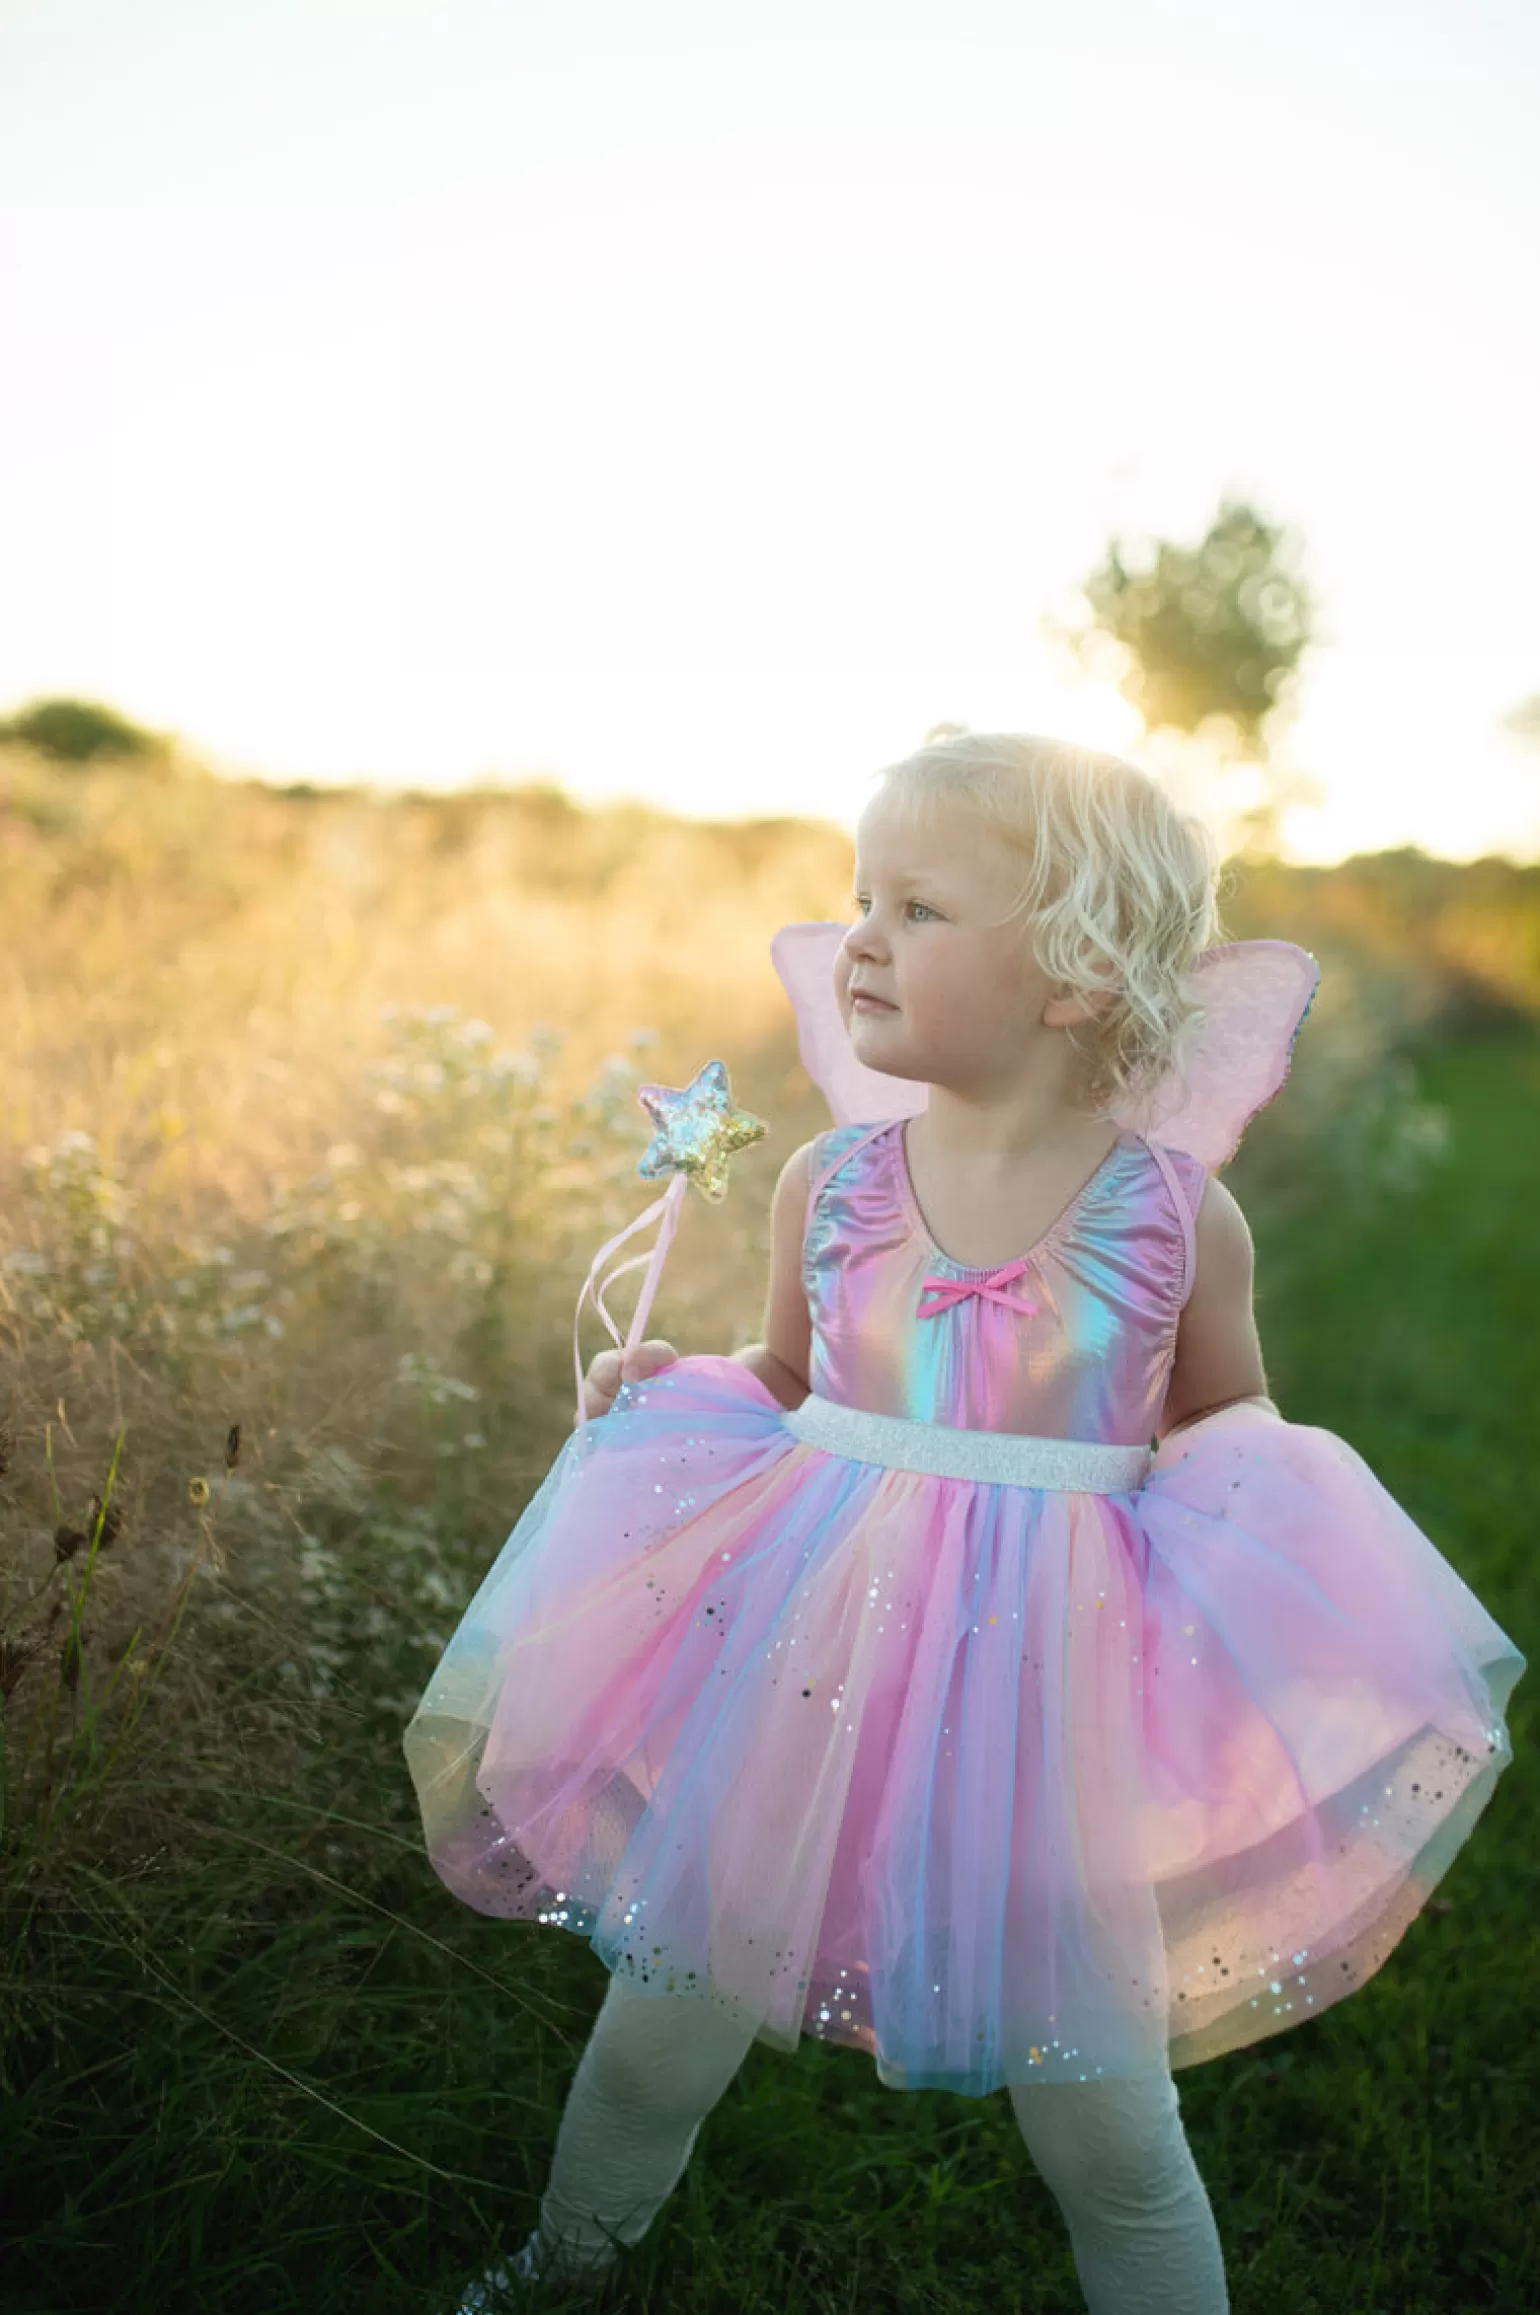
[944, 1716]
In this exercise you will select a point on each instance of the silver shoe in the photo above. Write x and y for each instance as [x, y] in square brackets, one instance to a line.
[490, 2296]
[495, 2292]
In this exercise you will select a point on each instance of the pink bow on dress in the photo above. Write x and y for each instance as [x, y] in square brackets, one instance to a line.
[946, 1291]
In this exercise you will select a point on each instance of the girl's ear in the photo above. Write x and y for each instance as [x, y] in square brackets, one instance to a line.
[1064, 1009]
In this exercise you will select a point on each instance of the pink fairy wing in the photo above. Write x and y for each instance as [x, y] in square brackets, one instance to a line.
[1255, 995]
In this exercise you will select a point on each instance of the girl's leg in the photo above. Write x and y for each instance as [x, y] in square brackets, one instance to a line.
[1115, 2158]
[653, 2069]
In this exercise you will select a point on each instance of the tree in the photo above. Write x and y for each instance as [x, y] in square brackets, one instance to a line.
[73, 731]
[1523, 721]
[1206, 639]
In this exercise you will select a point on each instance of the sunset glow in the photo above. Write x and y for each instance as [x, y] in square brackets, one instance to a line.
[701, 409]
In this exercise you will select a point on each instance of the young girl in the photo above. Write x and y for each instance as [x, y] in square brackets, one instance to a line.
[887, 1682]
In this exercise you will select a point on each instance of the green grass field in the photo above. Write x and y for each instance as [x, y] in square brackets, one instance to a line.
[271, 2065]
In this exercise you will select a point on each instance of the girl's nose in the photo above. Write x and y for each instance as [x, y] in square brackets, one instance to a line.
[862, 940]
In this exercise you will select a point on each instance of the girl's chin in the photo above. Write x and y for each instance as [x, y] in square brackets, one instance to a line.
[887, 1053]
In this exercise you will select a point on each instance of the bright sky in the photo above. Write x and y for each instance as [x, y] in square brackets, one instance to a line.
[701, 400]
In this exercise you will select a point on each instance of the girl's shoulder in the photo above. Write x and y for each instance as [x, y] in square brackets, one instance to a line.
[1186, 1176]
[831, 1149]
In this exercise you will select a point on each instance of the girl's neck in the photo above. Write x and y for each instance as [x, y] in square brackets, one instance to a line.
[997, 1137]
[982, 1214]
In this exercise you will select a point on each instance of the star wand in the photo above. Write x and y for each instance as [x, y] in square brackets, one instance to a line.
[699, 1127]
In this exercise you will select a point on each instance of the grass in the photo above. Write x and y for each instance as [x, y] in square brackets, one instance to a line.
[262, 2062]
[288, 1257]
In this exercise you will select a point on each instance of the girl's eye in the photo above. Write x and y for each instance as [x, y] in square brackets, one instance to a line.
[863, 904]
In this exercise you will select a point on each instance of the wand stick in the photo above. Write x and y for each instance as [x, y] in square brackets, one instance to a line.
[699, 1129]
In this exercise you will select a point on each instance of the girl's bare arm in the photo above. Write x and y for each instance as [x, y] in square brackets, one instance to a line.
[781, 1360]
[1218, 1360]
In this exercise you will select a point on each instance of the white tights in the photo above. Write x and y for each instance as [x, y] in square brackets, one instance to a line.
[1113, 2154]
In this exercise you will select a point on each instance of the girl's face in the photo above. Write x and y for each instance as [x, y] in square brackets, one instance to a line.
[962, 996]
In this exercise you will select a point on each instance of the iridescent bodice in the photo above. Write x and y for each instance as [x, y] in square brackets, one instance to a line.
[1073, 1340]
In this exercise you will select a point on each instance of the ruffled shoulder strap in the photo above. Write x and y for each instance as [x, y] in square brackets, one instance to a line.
[1186, 1179]
[833, 1150]
[1254, 996]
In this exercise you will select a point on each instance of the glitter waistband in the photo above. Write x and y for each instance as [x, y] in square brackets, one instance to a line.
[1083, 1466]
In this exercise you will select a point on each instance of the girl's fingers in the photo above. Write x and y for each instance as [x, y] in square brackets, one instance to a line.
[608, 1368]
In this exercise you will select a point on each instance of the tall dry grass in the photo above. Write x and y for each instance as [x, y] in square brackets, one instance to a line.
[315, 1111]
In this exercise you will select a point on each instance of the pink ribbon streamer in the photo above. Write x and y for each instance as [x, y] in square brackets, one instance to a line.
[946, 1291]
[668, 1207]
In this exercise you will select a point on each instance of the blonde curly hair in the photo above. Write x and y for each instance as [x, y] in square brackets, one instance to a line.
[1120, 885]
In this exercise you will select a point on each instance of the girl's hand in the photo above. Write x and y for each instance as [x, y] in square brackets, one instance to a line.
[608, 1370]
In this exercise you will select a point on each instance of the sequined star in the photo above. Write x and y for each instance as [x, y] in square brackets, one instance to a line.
[699, 1129]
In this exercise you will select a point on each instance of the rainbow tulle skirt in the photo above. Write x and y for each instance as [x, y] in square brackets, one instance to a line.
[1001, 1760]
